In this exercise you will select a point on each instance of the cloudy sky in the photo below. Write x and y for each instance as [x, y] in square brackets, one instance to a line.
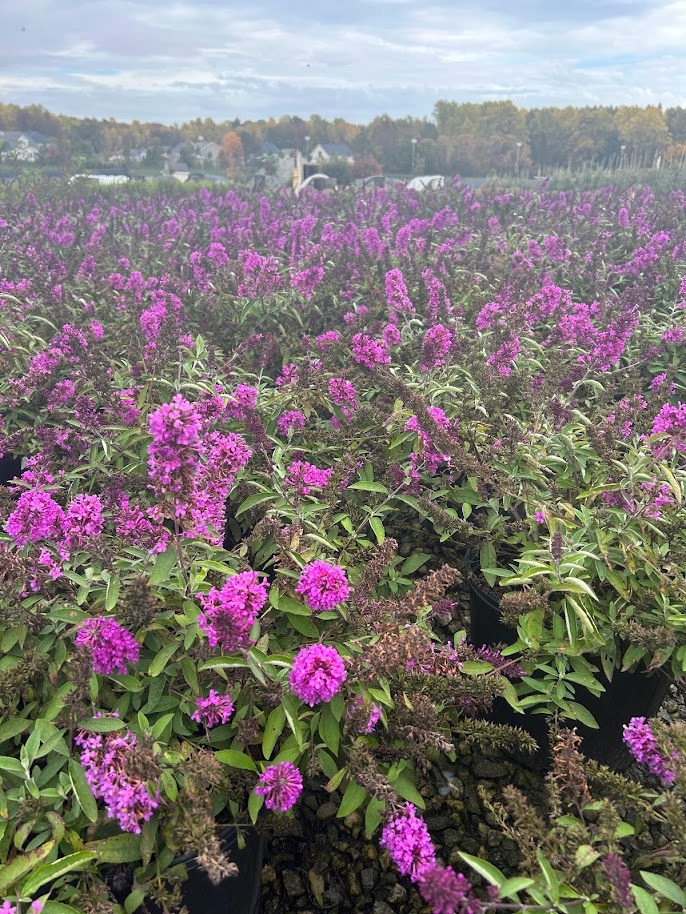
[171, 61]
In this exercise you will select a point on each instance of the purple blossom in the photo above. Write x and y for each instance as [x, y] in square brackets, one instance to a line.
[671, 421]
[324, 586]
[318, 674]
[105, 758]
[327, 339]
[306, 281]
[447, 892]
[213, 710]
[37, 517]
[619, 877]
[303, 477]
[396, 294]
[289, 375]
[110, 646]
[230, 613]
[290, 421]
[641, 741]
[435, 346]
[280, 785]
[174, 452]
[84, 521]
[504, 357]
[374, 712]
[369, 352]
[407, 840]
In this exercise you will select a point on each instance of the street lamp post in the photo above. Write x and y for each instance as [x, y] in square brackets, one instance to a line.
[414, 152]
[519, 148]
[621, 156]
[307, 148]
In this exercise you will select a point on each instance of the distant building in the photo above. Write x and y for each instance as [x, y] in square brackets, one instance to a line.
[203, 153]
[22, 145]
[324, 152]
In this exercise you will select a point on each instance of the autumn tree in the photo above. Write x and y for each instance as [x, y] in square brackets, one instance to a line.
[232, 151]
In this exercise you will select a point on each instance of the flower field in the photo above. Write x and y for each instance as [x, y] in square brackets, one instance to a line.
[254, 447]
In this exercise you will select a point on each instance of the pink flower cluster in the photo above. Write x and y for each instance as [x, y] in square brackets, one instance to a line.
[368, 351]
[280, 785]
[291, 421]
[407, 840]
[435, 347]
[174, 452]
[640, 739]
[110, 646]
[127, 799]
[343, 394]
[229, 614]
[323, 585]
[213, 710]
[302, 477]
[317, 674]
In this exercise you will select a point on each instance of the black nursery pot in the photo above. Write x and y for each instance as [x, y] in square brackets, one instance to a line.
[10, 466]
[629, 694]
[235, 895]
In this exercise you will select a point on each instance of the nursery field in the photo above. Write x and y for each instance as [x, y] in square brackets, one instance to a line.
[326, 521]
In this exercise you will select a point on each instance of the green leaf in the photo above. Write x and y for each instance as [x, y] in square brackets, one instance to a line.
[112, 592]
[414, 562]
[12, 872]
[102, 724]
[378, 529]
[485, 869]
[645, 902]
[372, 818]
[583, 714]
[364, 486]
[50, 871]
[352, 798]
[255, 804]
[236, 759]
[12, 766]
[665, 887]
[253, 500]
[12, 728]
[408, 791]
[273, 730]
[133, 901]
[83, 791]
[117, 849]
[164, 563]
[510, 887]
[161, 658]
[56, 907]
[329, 730]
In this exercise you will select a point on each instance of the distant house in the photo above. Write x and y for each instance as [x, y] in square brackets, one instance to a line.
[208, 153]
[22, 145]
[324, 152]
[204, 153]
[133, 155]
[269, 149]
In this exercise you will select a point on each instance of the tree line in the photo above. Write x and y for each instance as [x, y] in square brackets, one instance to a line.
[460, 138]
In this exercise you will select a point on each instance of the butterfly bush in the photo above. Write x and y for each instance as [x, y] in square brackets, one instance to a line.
[324, 586]
[229, 613]
[238, 410]
[110, 646]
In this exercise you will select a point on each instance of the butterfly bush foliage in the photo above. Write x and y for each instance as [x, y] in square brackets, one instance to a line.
[223, 412]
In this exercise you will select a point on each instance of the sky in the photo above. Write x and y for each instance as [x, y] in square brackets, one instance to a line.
[169, 62]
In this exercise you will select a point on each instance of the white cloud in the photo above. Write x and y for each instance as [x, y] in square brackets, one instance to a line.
[176, 60]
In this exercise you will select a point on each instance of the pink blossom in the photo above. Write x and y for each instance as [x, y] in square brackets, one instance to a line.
[230, 613]
[280, 785]
[213, 710]
[110, 646]
[323, 585]
[318, 673]
[407, 840]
